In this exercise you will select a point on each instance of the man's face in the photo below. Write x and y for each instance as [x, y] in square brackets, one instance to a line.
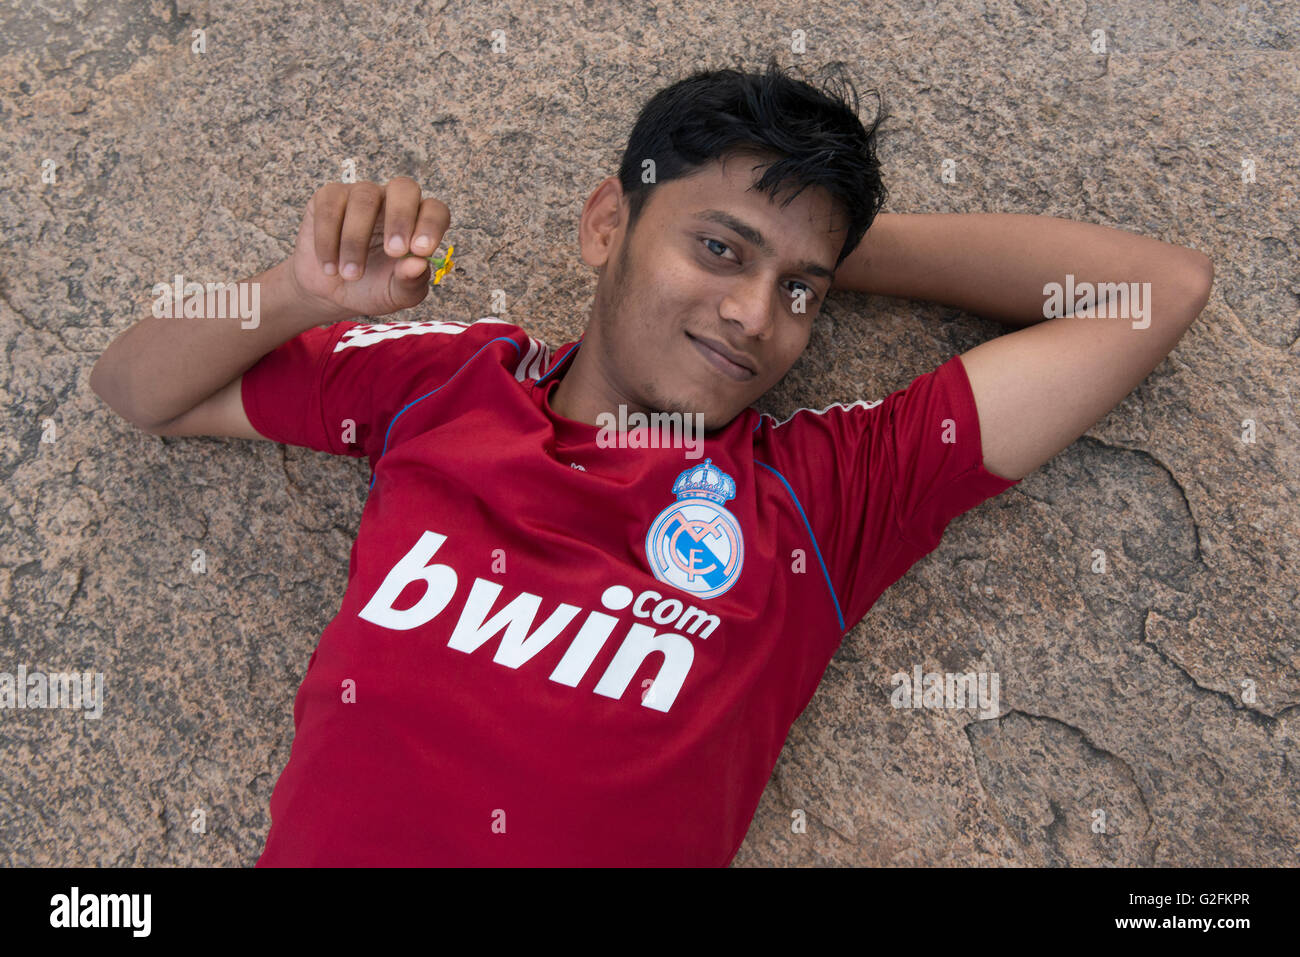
[709, 261]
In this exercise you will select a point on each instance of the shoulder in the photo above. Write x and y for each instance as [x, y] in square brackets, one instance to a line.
[448, 341]
[438, 333]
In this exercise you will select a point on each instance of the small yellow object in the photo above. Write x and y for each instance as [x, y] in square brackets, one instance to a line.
[443, 265]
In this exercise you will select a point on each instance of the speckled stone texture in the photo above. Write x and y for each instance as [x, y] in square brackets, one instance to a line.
[1126, 692]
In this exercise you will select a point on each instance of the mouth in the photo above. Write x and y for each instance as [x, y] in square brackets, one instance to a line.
[720, 361]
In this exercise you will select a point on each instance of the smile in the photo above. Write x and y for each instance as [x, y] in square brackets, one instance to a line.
[721, 362]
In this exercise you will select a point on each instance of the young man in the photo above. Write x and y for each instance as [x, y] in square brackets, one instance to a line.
[564, 644]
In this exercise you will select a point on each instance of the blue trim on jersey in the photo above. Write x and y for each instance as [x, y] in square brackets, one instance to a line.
[559, 362]
[432, 391]
[816, 550]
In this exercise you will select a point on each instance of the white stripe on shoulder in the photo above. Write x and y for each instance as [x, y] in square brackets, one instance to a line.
[528, 356]
[852, 405]
[370, 333]
[533, 361]
[541, 362]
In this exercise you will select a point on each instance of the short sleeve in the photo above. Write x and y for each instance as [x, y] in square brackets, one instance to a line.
[336, 388]
[879, 482]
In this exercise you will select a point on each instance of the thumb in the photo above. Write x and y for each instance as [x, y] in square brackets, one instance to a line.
[410, 282]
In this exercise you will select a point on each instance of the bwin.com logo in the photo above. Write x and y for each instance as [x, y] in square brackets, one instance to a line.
[695, 544]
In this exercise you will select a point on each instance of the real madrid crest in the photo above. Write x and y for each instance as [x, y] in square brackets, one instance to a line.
[695, 544]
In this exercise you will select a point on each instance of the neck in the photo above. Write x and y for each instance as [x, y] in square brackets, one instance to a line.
[585, 393]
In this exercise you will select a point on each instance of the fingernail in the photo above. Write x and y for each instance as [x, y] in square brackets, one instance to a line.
[350, 271]
[329, 269]
[424, 240]
[394, 245]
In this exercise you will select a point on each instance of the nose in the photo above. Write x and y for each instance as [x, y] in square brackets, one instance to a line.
[749, 302]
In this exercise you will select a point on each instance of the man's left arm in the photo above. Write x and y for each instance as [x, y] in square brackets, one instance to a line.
[1040, 388]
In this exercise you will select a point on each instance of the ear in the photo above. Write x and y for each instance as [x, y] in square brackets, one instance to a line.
[603, 215]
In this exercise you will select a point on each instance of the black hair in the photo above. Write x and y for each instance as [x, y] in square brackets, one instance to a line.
[713, 114]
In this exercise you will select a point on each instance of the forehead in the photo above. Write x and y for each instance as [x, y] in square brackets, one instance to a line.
[736, 175]
[721, 195]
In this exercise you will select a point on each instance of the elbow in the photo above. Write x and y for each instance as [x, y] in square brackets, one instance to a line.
[101, 384]
[1191, 289]
[105, 386]
[97, 377]
[1200, 279]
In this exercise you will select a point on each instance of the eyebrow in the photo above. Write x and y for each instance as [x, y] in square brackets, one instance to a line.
[754, 237]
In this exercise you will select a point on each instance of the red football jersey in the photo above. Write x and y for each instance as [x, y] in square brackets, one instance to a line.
[551, 652]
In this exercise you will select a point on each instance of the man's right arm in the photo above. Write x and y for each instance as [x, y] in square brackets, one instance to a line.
[359, 252]
[185, 373]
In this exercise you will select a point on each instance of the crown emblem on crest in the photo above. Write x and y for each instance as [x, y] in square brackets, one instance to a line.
[705, 481]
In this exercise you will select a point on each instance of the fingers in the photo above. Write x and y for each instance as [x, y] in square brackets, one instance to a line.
[401, 207]
[422, 237]
[327, 208]
[345, 216]
[434, 219]
[364, 202]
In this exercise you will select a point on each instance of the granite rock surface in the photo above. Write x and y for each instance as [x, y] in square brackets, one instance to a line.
[1148, 713]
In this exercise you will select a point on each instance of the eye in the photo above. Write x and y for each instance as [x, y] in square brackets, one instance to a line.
[811, 296]
[715, 242]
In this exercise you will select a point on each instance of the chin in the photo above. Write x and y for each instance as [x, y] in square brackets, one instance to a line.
[720, 413]
[715, 418]
[716, 411]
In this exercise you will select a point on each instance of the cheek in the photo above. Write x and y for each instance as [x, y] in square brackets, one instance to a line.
[795, 344]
